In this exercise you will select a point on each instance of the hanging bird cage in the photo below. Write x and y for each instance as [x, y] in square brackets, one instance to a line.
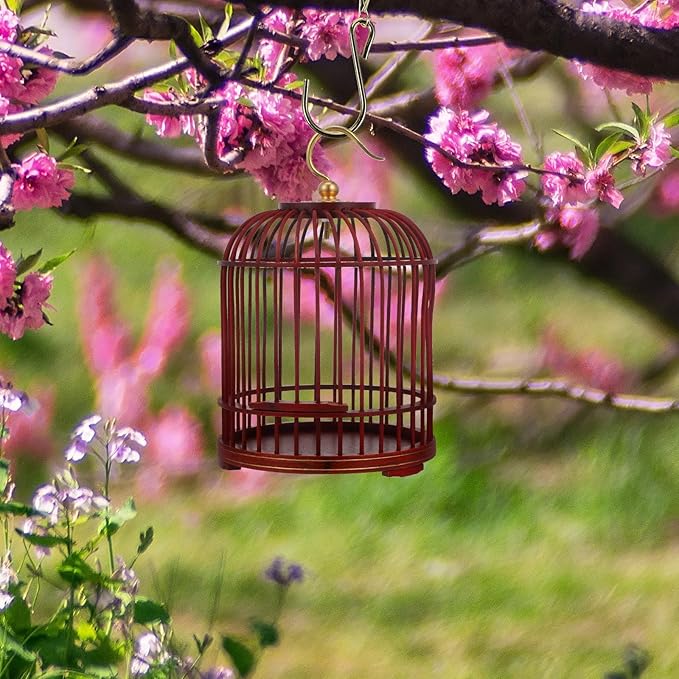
[327, 342]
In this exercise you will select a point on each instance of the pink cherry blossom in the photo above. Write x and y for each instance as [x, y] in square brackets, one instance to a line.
[175, 442]
[41, 183]
[573, 226]
[590, 367]
[600, 183]
[169, 126]
[105, 336]
[466, 76]
[655, 152]
[24, 310]
[668, 194]
[40, 83]
[7, 274]
[471, 139]
[210, 349]
[327, 33]
[612, 78]
[559, 189]
[32, 435]
[271, 133]
[167, 321]
[11, 79]
[35, 291]
[6, 107]
[9, 23]
[271, 52]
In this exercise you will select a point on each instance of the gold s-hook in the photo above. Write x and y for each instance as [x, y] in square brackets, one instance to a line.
[363, 99]
[328, 188]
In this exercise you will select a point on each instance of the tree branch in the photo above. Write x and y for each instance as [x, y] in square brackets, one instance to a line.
[556, 388]
[544, 25]
[68, 65]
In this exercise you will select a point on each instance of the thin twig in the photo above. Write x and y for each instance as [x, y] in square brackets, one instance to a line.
[67, 64]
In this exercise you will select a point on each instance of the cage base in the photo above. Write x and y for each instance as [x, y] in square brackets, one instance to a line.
[317, 447]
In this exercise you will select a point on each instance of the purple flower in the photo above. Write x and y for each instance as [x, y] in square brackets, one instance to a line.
[126, 577]
[7, 578]
[82, 501]
[82, 437]
[284, 574]
[12, 399]
[125, 445]
[148, 651]
[46, 501]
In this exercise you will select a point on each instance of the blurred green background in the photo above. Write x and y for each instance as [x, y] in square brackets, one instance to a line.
[540, 541]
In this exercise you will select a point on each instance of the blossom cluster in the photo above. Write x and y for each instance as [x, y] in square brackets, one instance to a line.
[327, 35]
[265, 129]
[21, 85]
[465, 76]
[471, 139]
[21, 302]
[38, 179]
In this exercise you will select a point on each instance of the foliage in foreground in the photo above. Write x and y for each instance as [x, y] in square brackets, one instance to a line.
[64, 542]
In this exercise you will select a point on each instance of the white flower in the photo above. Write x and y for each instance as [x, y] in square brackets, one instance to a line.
[46, 501]
[147, 650]
[7, 577]
[82, 437]
[125, 445]
[86, 430]
[83, 500]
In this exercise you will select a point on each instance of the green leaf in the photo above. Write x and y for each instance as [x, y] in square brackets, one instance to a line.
[621, 145]
[15, 647]
[267, 633]
[75, 570]
[172, 49]
[73, 149]
[642, 120]
[51, 264]
[145, 540]
[674, 151]
[195, 34]
[671, 119]
[118, 519]
[605, 145]
[242, 657]
[245, 101]
[75, 166]
[18, 614]
[4, 475]
[205, 29]
[624, 128]
[17, 509]
[25, 264]
[43, 138]
[14, 6]
[86, 631]
[42, 540]
[224, 28]
[294, 85]
[575, 141]
[147, 612]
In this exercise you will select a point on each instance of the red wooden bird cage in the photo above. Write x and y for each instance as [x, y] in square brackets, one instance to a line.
[327, 342]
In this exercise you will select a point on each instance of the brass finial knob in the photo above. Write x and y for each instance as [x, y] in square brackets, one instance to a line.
[328, 191]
